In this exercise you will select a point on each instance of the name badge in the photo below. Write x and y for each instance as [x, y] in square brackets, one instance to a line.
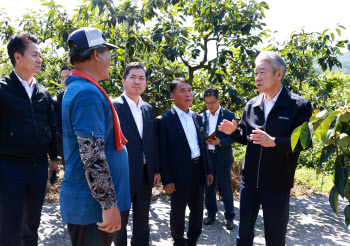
[283, 118]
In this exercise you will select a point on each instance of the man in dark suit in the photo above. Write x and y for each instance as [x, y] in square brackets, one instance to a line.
[221, 158]
[184, 164]
[57, 105]
[137, 122]
[267, 123]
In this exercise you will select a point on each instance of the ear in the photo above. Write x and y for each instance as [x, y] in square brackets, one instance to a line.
[18, 57]
[123, 81]
[172, 95]
[279, 74]
[95, 55]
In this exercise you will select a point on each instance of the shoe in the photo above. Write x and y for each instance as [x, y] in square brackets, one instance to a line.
[229, 224]
[209, 220]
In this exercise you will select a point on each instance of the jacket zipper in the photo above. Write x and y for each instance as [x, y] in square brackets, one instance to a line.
[257, 178]
[36, 127]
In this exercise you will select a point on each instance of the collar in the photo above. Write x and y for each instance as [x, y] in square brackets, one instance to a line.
[131, 102]
[273, 99]
[216, 112]
[23, 82]
[180, 112]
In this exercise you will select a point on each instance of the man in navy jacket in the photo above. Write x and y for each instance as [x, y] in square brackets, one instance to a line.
[137, 121]
[27, 136]
[221, 158]
[268, 169]
[184, 164]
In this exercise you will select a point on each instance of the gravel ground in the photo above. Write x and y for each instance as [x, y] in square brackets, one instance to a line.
[311, 222]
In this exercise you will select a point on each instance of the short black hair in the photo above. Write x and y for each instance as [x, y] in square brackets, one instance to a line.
[66, 67]
[176, 81]
[18, 44]
[211, 92]
[135, 65]
[78, 56]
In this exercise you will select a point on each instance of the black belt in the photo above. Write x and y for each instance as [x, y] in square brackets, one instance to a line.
[196, 160]
[212, 151]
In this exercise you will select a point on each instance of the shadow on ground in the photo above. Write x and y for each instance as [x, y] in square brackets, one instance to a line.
[312, 222]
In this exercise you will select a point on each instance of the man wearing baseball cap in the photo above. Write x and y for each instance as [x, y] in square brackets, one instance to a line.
[96, 182]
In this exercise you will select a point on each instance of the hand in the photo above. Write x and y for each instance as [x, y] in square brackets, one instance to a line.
[214, 141]
[169, 188]
[209, 179]
[262, 138]
[228, 127]
[111, 220]
[54, 166]
[156, 179]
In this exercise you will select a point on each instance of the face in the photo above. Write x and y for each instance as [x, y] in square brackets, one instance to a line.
[30, 62]
[135, 82]
[212, 103]
[266, 80]
[104, 64]
[182, 96]
[64, 75]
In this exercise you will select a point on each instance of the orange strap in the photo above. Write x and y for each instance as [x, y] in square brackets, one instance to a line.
[120, 140]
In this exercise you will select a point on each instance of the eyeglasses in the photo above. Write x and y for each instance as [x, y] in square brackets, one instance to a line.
[211, 103]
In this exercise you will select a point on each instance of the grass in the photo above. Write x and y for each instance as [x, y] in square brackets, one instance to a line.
[306, 182]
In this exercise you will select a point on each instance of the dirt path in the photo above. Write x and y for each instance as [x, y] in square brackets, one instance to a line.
[312, 222]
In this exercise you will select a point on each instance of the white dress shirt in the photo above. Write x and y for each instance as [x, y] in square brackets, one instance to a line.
[212, 122]
[136, 112]
[29, 89]
[190, 131]
[268, 104]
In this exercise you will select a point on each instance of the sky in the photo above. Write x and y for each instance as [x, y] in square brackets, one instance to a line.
[284, 16]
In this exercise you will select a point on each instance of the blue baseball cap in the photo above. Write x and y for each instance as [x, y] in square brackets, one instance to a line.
[87, 37]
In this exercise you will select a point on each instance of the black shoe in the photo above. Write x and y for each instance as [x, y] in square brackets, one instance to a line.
[209, 220]
[229, 224]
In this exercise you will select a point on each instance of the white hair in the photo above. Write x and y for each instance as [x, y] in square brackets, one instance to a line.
[275, 59]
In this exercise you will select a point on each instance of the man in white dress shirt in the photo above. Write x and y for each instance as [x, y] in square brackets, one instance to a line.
[221, 158]
[137, 121]
[184, 163]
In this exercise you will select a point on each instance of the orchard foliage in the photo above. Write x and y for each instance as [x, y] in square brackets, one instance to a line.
[332, 128]
[212, 43]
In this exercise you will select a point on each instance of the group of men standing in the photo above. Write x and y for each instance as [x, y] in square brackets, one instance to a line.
[116, 151]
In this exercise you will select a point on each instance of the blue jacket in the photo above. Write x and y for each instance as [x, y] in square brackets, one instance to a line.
[175, 153]
[266, 167]
[224, 149]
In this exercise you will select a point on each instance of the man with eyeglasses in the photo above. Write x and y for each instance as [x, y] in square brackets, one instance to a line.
[219, 147]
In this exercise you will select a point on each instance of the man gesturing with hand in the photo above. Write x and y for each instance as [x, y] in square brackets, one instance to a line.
[267, 123]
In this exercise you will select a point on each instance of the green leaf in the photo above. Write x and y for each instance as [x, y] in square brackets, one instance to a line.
[324, 32]
[347, 216]
[295, 137]
[347, 192]
[338, 31]
[328, 121]
[305, 136]
[340, 175]
[333, 199]
[325, 155]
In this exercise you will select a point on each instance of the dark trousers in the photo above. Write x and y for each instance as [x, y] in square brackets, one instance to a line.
[141, 201]
[194, 201]
[22, 193]
[89, 235]
[275, 205]
[223, 174]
